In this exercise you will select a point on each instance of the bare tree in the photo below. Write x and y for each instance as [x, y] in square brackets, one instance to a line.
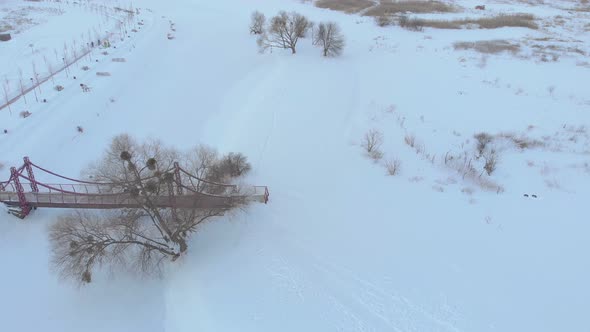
[258, 20]
[5, 88]
[49, 69]
[36, 76]
[65, 59]
[74, 52]
[329, 37]
[145, 236]
[22, 86]
[284, 31]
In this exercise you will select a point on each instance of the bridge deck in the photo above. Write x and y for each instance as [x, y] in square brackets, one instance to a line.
[98, 201]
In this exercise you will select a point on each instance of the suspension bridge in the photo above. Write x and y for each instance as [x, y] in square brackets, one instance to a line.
[22, 193]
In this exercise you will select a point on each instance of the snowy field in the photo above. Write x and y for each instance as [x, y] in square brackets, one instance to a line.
[341, 246]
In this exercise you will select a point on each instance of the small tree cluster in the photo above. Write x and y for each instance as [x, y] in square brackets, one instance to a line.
[285, 30]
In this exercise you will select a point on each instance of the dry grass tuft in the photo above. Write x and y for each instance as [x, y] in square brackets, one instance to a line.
[522, 142]
[410, 140]
[347, 6]
[488, 46]
[500, 21]
[410, 6]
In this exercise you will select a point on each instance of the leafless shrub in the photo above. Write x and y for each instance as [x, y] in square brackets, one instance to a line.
[59, 88]
[410, 140]
[284, 31]
[438, 188]
[393, 166]
[145, 236]
[467, 191]
[347, 6]
[463, 165]
[413, 24]
[553, 184]
[372, 140]
[488, 46]
[412, 6]
[80, 129]
[415, 179]
[85, 68]
[258, 20]
[383, 20]
[329, 38]
[376, 155]
[25, 114]
[491, 159]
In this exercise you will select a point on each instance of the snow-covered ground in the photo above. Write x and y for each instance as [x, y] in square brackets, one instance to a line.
[341, 246]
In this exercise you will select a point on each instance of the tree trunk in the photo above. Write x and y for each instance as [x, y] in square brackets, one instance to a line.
[182, 243]
[293, 50]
